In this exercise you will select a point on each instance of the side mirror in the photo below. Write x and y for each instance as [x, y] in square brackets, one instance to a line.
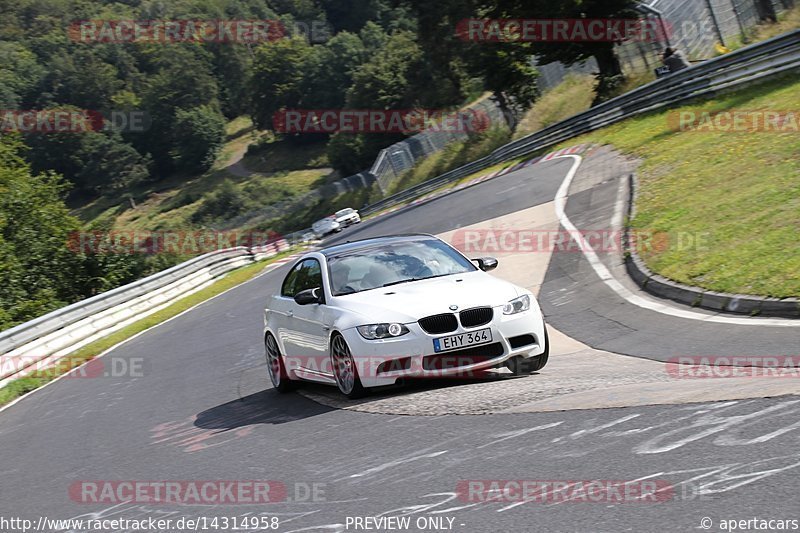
[308, 296]
[486, 263]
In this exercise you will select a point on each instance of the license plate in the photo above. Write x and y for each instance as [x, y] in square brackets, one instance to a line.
[462, 340]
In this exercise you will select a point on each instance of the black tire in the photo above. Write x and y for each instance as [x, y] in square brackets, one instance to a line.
[344, 369]
[521, 366]
[276, 367]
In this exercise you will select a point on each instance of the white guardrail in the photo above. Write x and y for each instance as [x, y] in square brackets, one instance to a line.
[768, 58]
[42, 341]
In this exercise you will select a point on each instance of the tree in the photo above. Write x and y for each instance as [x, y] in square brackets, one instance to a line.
[109, 165]
[352, 16]
[331, 71]
[37, 271]
[94, 162]
[279, 69]
[20, 73]
[505, 68]
[389, 80]
[508, 73]
[183, 80]
[197, 137]
[81, 79]
[610, 74]
[443, 66]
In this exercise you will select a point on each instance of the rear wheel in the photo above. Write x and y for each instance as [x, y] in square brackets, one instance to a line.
[275, 366]
[344, 369]
[521, 366]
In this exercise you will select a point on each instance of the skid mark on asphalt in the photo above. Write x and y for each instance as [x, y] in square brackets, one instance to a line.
[577, 376]
[397, 462]
[189, 438]
[518, 433]
[435, 480]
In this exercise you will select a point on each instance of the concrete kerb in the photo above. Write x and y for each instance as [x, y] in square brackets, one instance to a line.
[740, 304]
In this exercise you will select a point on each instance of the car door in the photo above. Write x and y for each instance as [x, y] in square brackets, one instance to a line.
[305, 335]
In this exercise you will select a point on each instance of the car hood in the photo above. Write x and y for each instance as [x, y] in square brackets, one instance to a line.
[325, 224]
[408, 302]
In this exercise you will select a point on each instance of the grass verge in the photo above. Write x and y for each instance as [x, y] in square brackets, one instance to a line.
[570, 97]
[21, 386]
[739, 191]
[454, 155]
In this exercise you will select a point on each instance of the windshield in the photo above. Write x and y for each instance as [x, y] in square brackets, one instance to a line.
[372, 267]
[344, 212]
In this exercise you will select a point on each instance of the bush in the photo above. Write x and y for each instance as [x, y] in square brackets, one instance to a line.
[198, 135]
[225, 202]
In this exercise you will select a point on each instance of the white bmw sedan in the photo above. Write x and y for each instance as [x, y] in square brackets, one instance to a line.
[368, 313]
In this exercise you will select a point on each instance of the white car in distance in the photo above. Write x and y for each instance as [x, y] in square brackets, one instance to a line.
[347, 217]
[369, 313]
[325, 226]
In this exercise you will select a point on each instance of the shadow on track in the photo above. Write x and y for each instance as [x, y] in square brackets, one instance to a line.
[409, 387]
[265, 407]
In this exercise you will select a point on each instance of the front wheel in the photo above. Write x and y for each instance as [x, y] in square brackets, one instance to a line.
[275, 366]
[520, 366]
[344, 369]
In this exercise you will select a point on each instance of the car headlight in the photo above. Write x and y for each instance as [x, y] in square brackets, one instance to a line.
[517, 305]
[382, 331]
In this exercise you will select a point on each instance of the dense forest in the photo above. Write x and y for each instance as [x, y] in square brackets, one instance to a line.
[377, 54]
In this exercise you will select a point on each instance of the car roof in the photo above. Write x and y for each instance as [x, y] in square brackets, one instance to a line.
[350, 246]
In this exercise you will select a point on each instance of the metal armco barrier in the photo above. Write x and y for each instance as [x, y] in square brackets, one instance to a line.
[54, 335]
[768, 58]
[42, 341]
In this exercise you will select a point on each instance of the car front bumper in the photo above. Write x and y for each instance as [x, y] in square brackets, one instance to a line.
[349, 221]
[383, 362]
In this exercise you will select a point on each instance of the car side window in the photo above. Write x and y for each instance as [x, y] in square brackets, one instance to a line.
[287, 289]
[306, 275]
[309, 276]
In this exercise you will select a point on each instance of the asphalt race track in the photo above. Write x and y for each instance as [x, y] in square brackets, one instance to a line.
[202, 408]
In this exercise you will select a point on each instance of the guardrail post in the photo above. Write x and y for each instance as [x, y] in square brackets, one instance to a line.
[715, 22]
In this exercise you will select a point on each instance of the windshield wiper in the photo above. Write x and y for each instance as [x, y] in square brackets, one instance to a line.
[409, 280]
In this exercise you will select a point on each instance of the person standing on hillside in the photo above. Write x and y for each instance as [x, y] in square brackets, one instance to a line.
[675, 61]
